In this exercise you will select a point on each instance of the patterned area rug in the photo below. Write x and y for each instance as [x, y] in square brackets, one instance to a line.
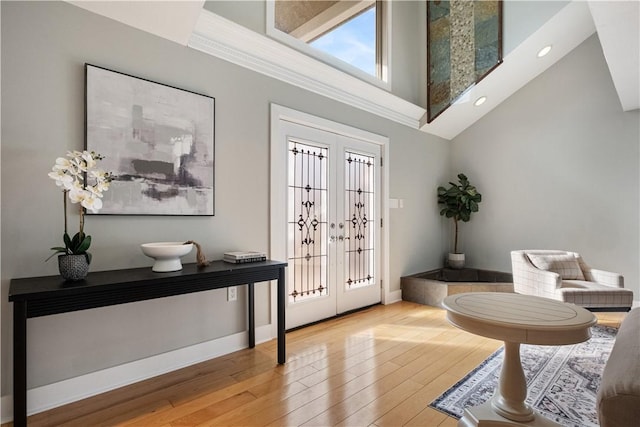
[562, 381]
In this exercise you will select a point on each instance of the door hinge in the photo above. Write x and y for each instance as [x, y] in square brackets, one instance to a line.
[380, 222]
[381, 162]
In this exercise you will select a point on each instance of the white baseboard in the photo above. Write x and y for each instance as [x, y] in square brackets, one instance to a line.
[57, 394]
[393, 296]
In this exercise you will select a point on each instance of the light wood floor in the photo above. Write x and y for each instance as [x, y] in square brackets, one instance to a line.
[378, 367]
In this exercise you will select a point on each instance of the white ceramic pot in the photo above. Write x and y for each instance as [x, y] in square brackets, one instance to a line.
[456, 261]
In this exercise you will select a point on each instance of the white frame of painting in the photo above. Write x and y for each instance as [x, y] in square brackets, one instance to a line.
[157, 140]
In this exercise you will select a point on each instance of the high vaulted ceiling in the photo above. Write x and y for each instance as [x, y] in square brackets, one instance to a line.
[617, 24]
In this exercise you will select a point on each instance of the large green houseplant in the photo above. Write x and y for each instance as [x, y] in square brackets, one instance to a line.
[458, 202]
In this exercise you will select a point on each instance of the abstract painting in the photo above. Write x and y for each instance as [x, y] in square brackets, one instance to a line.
[464, 44]
[156, 140]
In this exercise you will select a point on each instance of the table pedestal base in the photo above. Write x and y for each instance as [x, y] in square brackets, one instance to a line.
[485, 416]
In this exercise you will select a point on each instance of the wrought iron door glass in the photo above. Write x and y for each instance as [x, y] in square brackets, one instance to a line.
[307, 221]
[360, 219]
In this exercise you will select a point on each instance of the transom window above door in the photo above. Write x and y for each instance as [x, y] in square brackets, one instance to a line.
[347, 34]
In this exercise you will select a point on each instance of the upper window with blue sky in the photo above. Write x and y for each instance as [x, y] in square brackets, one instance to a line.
[349, 30]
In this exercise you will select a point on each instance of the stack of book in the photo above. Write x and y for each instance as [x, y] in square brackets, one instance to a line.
[242, 257]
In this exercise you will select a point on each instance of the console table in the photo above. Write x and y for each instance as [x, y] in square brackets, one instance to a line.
[43, 296]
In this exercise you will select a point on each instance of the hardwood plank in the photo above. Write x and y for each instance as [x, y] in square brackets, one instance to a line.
[380, 367]
[214, 410]
[118, 414]
[402, 413]
[301, 411]
[349, 404]
[389, 400]
[273, 380]
[317, 398]
[427, 416]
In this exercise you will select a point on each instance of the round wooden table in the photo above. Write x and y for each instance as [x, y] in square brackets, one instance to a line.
[515, 319]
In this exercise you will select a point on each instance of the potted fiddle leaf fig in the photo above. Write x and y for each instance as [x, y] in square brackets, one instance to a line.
[458, 202]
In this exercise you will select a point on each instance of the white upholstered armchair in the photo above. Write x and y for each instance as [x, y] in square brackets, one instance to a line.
[564, 276]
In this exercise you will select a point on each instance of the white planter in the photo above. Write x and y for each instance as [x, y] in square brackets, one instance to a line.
[456, 261]
[166, 255]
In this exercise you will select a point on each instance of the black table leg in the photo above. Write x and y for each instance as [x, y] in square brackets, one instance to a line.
[282, 295]
[20, 364]
[217, 276]
[252, 315]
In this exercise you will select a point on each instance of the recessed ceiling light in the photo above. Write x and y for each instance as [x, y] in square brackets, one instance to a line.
[480, 101]
[544, 51]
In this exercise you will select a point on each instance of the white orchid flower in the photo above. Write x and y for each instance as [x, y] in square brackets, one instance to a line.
[102, 186]
[94, 190]
[69, 166]
[69, 173]
[79, 164]
[98, 174]
[61, 178]
[77, 195]
[89, 160]
[92, 203]
[76, 185]
[62, 164]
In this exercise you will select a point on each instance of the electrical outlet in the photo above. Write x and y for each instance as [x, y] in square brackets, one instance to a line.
[232, 293]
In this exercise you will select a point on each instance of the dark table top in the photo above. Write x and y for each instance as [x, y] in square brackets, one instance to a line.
[31, 288]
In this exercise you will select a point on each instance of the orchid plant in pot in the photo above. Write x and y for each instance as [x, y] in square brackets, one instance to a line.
[459, 201]
[83, 184]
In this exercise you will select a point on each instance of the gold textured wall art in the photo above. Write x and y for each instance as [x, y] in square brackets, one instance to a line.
[464, 44]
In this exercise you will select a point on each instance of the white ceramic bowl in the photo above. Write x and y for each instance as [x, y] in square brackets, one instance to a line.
[166, 254]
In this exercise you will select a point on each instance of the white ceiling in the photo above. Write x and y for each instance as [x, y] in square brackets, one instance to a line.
[617, 23]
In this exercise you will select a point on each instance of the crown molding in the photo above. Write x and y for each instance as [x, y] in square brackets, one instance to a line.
[227, 40]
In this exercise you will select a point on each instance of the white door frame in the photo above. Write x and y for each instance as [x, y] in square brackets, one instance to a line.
[278, 181]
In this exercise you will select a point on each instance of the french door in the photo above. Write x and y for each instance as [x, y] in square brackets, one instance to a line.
[332, 223]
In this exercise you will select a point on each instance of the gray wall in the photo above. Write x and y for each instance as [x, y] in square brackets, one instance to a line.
[557, 165]
[409, 51]
[44, 48]
[251, 14]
